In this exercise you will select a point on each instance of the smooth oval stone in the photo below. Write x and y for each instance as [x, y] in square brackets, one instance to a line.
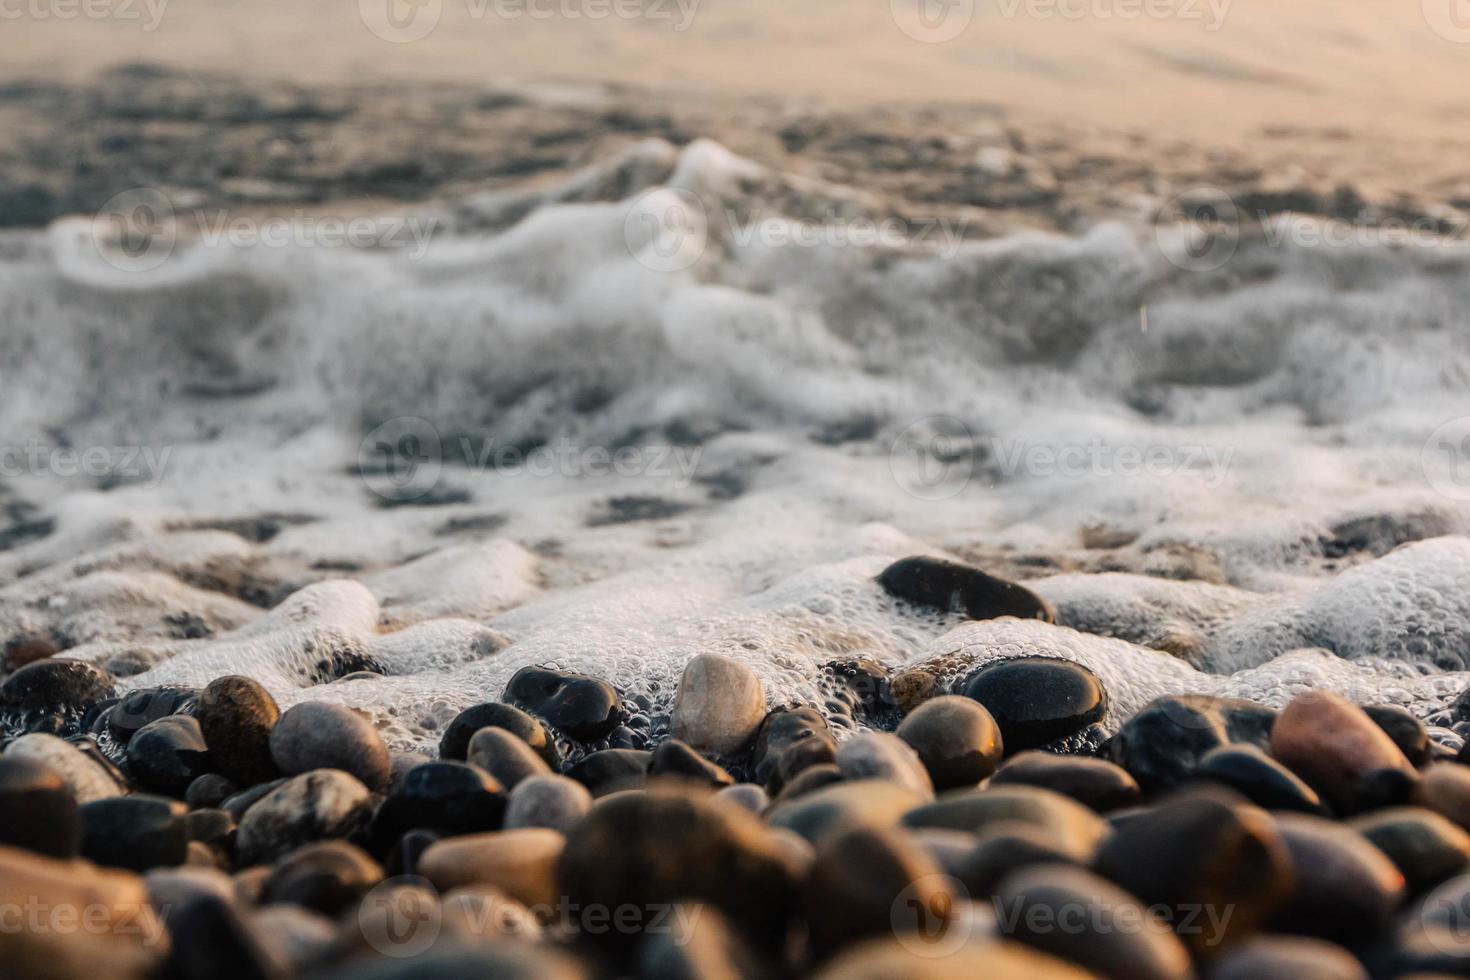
[507, 960]
[1445, 788]
[209, 790]
[522, 863]
[1162, 745]
[65, 686]
[1259, 778]
[860, 882]
[38, 811]
[88, 778]
[1332, 744]
[957, 739]
[700, 944]
[403, 858]
[236, 715]
[612, 771]
[247, 798]
[455, 744]
[870, 803]
[978, 810]
[166, 755]
[718, 706]
[170, 889]
[479, 915]
[400, 764]
[808, 753]
[1077, 916]
[505, 757]
[1007, 847]
[138, 708]
[585, 708]
[1344, 889]
[809, 780]
[675, 760]
[321, 735]
[1287, 958]
[554, 802]
[1202, 850]
[321, 805]
[1407, 732]
[213, 938]
[328, 877]
[955, 588]
[1095, 783]
[1036, 700]
[779, 730]
[135, 832]
[911, 688]
[947, 848]
[448, 798]
[748, 796]
[1425, 847]
[666, 846]
[301, 937]
[877, 755]
[213, 827]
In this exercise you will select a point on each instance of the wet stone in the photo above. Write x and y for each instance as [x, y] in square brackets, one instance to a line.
[1334, 746]
[1407, 732]
[209, 790]
[718, 706]
[1163, 743]
[1259, 778]
[236, 715]
[505, 757]
[167, 755]
[54, 695]
[137, 709]
[554, 802]
[321, 735]
[1037, 700]
[456, 741]
[957, 740]
[85, 773]
[329, 877]
[1095, 783]
[612, 770]
[322, 805]
[1345, 889]
[135, 832]
[38, 811]
[448, 798]
[1426, 848]
[955, 588]
[582, 707]
[675, 760]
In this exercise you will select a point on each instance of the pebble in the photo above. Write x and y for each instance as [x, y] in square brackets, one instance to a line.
[166, 755]
[301, 938]
[912, 688]
[748, 796]
[842, 806]
[212, 938]
[87, 777]
[675, 760]
[480, 915]
[700, 944]
[1095, 783]
[584, 708]
[902, 956]
[1344, 889]
[1427, 849]
[330, 877]
[1407, 732]
[236, 715]
[718, 706]
[313, 806]
[1287, 958]
[1077, 916]
[455, 744]
[322, 735]
[521, 863]
[612, 770]
[505, 757]
[1445, 788]
[38, 810]
[878, 755]
[948, 848]
[976, 811]
[246, 798]
[553, 802]
[957, 739]
[56, 685]
[508, 960]
[667, 846]
[1332, 744]
[135, 832]
[1010, 846]
[170, 889]
[955, 588]
[138, 708]
[820, 751]
[400, 764]
[213, 827]
[1259, 778]
[779, 730]
[448, 798]
[209, 791]
[810, 779]
[1036, 700]
[403, 858]
[1205, 850]
[862, 883]
[1163, 743]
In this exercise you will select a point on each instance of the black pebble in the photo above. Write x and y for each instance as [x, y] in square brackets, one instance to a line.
[1259, 778]
[1163, 743]
[1036, 700]
[951, 587]
[209, 790]
[138, 708]
[55, 695]
[329, 877]
[403, 859]
[236, 715]
[455, 744]
[612, 770]
[781, 729]
[135, 832]
[674, 759]
[585, 708]
[212, 941]
[1407, 732]
[167, 755]
[37, 809]
[213, 827]
[449, 798]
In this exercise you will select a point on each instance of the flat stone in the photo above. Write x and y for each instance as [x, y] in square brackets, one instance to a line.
[449, 798]
[584, 708]
[166, 755]
[552, 802]
[455, 744]
[329, 877]
[1259, 778]
[957, 739]
[1037, 700]
[236, 715]
[718, 706]
[1427, 849]
[955, 588]
[38, 811]
[1332, 745]
[522, 863]
[1095, 783]
[322, 735]
[85, 775]
[878, 755]
[323, 805]
[504, 756]
[135, 832]
[1344, 888]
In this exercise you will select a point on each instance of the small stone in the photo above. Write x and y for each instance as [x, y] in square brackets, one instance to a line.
[67, 687]
[1287, 958]
[479, 915]
[455, 744]
[213, 827]
[666, 846]
[748, 796]
[954, 588]
[912, 688]
[584, 708]
[948, 848]
[820, 751]
[400, 764]
[170, 889]
[321, 805]
[1008, 847]
[1162, 744]
[1095, 783]
[166, 755]
[913, 958]
[1345, 888]
[780, 730]
[236, 715]
[830, 809]
[1202, 850]
[957, 739]
[877, 755]
[321, 735]
[87, 776]
[301, 937]
[135, 832]
[403, 858]
[247, 798]
[554, 802]
[209, 791]
[863, 879]
[505, 757]
[212, 938]
[700, 944]
[1426, 848]
[977, 811]
[1407, 732]
[38, 811]
[329, 877]
[1445, 788]
[1036, 700]
[448, 798]
[138, 708]
[522, 863]
[507, 960]
[719, 705]
[1259, 778]
[1076, 916]
[809, 780]
[612, 771]
[675, 760]
[1332, 744]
